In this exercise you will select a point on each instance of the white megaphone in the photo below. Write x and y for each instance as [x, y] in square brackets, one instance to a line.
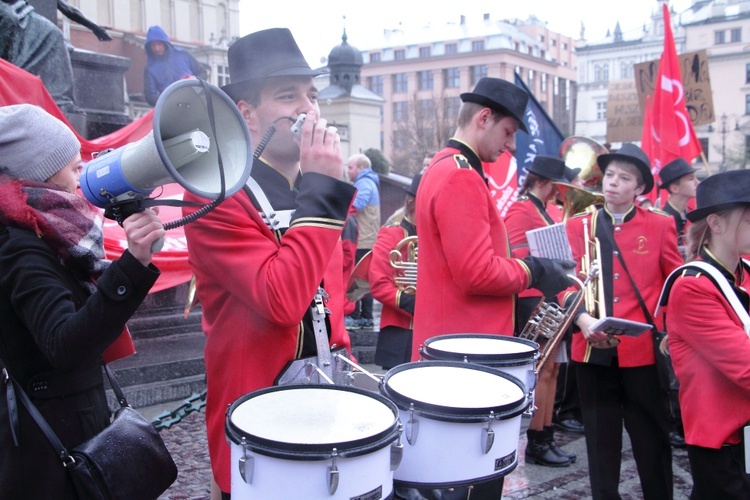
[193, 120]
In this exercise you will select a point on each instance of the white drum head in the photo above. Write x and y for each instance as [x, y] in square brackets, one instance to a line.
[481, 345]
[310, 416]
[455, 387]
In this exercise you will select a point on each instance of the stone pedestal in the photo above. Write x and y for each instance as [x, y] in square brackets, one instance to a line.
[99, 89]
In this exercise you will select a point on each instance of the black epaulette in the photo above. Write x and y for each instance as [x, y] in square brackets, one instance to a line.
[580, 214]
[659, 211]
[461, 161]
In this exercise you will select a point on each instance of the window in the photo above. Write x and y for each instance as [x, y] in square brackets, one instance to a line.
[541, 38]
[476, 73]
[374, 57]
[451, 48]
[375, 84]
[425, 80]
[451, 105]
[530, 79]
[425, 52]
[544, 82]
[556, 86]
[451, 78]
[477, 45]
[601, 110]
[399, 54]
[747, 104]
[565, 45]
[736, 35]
[626, 70]
[517, 46]
[222, 75]
[719, 38]
[553, 42]
[400, 83]
[425, 109]
[601, 72]
[704, 143]
[400, 111]
[400, 139]
[747, 73]
[542, 54]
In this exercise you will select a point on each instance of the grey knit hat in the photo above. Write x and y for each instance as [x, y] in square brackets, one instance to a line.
[34, 144]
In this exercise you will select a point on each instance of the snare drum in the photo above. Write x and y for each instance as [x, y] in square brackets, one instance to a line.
[313, 442]
[461, 422]
[511, 355]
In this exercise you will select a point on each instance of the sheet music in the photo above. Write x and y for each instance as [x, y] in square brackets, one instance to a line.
[550, 242]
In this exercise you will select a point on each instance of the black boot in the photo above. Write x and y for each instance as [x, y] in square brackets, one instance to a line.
[538, 451]
[549, 433]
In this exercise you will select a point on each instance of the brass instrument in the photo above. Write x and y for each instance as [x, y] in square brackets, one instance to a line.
[576, 200]
[359, 284]
[581, 152]
[403, 259]
[594, 293]
[550, 321]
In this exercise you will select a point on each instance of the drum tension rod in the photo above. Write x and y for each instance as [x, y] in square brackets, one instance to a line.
[246, 463]
[412, 427]
[488, 435]
[397, 449]
[333, 473]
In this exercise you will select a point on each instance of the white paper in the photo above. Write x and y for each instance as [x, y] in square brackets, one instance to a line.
[550, 242]
[619, 326]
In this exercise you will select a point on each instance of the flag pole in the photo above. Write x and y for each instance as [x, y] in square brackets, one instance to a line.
[705, 162]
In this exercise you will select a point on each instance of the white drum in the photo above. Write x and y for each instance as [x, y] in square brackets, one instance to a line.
[313, 442]
[511, 355]
[461, 422]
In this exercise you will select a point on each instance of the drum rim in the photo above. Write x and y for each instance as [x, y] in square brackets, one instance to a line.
[450, 414]
[317, 451]
[459, 483]
[499, 359]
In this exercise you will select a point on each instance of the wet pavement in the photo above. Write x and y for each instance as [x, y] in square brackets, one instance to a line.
[187, 443]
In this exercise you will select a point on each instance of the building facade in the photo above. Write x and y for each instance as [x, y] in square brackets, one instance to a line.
[421, 73]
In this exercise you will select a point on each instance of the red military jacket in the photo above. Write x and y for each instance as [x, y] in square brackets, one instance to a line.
[466, 278]
[710, 352]
[648, 242]
[526, 213]
[255, 287]
[382, 284]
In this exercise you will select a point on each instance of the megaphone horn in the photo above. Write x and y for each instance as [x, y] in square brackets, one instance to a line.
[193, 121]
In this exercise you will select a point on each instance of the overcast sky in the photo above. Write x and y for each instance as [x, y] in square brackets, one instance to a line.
[317, 25]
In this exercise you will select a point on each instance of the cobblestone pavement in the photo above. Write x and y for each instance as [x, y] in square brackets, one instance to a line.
[187, 443]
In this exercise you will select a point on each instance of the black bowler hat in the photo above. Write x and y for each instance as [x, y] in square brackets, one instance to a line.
[571, 173]
[412, 189]
[719, 192]
[673, 170]
[501, 96]
[630, 153]
[264, 54]
[549, 167]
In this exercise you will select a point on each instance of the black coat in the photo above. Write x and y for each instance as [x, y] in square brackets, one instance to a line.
[52, 335]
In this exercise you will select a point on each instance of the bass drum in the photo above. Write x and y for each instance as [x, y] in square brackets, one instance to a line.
[313, 442]
[461, 422]
[510, 355]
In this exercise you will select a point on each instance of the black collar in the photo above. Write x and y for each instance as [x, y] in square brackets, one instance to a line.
[470, 155]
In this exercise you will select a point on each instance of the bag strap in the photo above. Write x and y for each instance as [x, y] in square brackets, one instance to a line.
[641, 302]
[718, 279]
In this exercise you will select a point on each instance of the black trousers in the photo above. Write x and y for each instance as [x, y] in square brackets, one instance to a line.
[363, 307]
[611, 396]
[718, 473]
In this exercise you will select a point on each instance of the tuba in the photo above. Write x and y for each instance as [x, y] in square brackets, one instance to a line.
[581, 152]
[403, 259]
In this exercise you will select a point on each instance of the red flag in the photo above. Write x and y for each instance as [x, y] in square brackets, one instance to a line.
[672, 132]
[647, 145]
[502, 176]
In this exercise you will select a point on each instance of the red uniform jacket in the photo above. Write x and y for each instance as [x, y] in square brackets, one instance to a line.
[648, 242]
[466, 279]
[527, 213]
[710, 353]
[255, 287]
[382, 285]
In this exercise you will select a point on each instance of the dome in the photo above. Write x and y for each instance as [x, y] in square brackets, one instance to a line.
[345, 54]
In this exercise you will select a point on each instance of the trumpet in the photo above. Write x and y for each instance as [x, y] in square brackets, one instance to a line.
[403, 259]
[594, 296]
[550, 321]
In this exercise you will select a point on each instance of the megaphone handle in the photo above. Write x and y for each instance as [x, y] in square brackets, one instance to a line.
[157, 245]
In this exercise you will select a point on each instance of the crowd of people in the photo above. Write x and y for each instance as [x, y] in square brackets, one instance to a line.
[262, 285]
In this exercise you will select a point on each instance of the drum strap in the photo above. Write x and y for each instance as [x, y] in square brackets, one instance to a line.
[319, 311]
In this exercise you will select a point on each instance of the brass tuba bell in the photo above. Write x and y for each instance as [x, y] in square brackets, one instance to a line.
[581, 152]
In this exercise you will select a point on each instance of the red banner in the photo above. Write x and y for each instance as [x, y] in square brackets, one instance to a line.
[20, 87]
[503, 181]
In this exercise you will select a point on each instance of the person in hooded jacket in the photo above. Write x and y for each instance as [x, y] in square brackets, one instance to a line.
[166, 64]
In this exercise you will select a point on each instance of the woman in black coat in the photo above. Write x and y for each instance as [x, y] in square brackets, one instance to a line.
[61, 303]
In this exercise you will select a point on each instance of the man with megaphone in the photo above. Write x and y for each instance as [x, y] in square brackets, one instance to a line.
[260, 257]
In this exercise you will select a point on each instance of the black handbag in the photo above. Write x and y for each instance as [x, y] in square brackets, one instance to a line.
[126, 460]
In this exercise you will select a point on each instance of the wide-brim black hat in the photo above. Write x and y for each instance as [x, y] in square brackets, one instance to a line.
[549, 167]
[720, 192]
[412, 189]
[673, 170]
[265, 54]
[631, 153]
[571, 173]
[500, 95]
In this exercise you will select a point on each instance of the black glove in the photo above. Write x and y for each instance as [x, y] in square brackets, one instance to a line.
[406, 302]
[550, 276]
